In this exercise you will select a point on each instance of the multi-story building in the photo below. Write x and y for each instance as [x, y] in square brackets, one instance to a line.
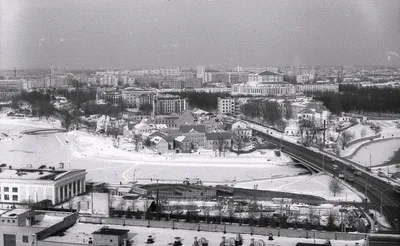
[33, 185]
[305, 78]
[8, 94]
[137, 96]
[266, 77]
[228, 105]
[167, 104]
[317, 87]
[11, 84]
[272, 89]
[195, 134]
[200, 70]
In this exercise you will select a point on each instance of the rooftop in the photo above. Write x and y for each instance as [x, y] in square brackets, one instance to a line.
[111, 231]
[14, 213]
[34, 174]
[267, 73]
[189, 128]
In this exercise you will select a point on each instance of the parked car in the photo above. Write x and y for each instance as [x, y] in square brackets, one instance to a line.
[358, 173]
[341, 175]
[335, 167]
[3, 165]
[351, 168]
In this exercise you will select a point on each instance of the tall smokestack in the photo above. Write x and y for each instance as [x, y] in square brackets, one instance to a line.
[15, 72]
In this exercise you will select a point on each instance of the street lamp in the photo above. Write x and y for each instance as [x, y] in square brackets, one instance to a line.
[134, 174]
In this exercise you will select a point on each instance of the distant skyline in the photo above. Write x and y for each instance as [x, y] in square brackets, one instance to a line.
[166, 33]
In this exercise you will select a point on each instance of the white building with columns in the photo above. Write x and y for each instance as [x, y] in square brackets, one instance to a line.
[33, 185]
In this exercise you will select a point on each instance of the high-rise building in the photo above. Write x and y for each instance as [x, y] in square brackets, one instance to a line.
[200, 70]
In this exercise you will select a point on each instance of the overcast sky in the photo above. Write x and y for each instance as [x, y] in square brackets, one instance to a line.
[166, 33]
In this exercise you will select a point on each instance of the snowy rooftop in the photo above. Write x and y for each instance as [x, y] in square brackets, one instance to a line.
[13, 213]
[33, 174]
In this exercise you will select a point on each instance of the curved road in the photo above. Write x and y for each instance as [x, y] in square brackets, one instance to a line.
[376, 188]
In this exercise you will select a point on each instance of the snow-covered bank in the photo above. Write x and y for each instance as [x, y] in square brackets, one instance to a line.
[376, 153]
[317, 185]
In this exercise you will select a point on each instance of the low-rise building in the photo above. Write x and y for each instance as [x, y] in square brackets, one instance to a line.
[195, 134]
[263, 89]
[34, 185]
[241, 129]
[215, 140]
[30, 227]
[266, 77]
[159, 145]
[110, 237]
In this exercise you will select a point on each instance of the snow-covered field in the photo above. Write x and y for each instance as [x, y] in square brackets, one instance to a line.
[80, 233]
[316, 185]
[380, 152]
[357, 131]
[79, 149]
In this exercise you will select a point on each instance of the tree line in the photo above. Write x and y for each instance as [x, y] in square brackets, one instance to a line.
[267, 111]
[362, 99]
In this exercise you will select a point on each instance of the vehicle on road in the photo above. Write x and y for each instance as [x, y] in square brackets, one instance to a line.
[368, 169]
[350, 178]
[341, 175]
[332, 160]
[335, 167]
[381, 174]
[351, 168]
[358, 173]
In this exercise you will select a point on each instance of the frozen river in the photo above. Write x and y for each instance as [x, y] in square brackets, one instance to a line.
[105, 163]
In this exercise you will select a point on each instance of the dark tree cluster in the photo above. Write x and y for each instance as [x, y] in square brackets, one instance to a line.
[361, 99]
[82, 96]
[202, 100]
[40, 103]
[267, 110]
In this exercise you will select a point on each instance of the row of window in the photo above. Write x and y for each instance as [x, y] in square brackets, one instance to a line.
[7, 197]
[7, 189]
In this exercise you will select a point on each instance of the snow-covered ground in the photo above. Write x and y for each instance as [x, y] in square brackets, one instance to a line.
[380, 219]
[80, 233]
[317, 185]
[357, 131]
[380, 152]
[97, 154]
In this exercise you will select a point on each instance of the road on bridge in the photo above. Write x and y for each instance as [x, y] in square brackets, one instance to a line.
[375, 190]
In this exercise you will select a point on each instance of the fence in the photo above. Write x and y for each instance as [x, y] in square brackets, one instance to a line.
[363, 139]
[365, 144]
[264, 231]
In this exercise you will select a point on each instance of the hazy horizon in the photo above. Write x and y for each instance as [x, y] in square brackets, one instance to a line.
[166, 33]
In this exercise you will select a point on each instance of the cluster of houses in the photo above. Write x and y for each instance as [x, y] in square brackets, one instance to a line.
[185, 134]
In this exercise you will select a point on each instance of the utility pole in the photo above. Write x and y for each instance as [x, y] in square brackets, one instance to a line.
[77, 104]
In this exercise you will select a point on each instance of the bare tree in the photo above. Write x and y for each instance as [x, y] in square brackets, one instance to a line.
[345, 138]
[335, 186]
[137, 139]
[220, 206]
[363, 132]
[281, 125]
[231, 210]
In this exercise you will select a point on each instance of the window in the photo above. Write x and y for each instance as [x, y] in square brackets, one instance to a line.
[6, 189]
[6, 197]
[14, 189]
[15, 198]
[25, 239]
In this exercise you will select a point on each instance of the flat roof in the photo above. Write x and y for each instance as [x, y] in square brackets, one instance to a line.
[34, 174]
[111, 231]
[14, 213]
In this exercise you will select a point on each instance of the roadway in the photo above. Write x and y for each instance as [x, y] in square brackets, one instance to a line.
[375, 190]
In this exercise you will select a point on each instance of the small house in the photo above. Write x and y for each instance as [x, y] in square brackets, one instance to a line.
[110, 237]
